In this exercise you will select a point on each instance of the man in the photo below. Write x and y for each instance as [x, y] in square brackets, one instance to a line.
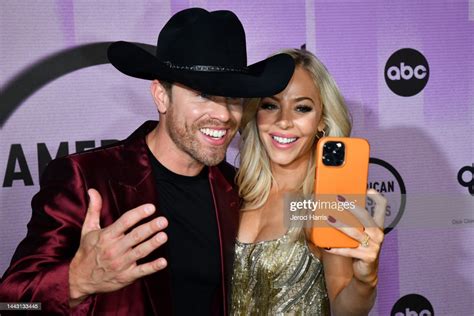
[95, 243]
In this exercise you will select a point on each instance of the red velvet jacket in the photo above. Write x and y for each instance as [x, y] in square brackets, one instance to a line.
[122, 174]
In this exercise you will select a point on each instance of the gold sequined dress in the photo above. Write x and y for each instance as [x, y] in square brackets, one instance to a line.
[278, 277]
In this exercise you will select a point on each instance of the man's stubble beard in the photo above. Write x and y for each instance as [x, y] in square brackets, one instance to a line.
[186, 139]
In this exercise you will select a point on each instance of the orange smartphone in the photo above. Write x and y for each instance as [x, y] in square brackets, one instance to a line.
[342, 166]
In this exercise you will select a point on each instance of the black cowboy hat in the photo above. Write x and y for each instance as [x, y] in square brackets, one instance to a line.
[205, 51]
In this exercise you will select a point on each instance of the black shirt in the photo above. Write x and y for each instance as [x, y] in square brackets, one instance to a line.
[194, 256]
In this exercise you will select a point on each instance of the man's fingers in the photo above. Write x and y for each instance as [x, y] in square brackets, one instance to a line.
[141, 233]
[149, 268]
[130, 218]
[92, 219]
[147, 247]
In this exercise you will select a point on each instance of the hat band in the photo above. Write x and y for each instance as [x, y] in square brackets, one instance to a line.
[207, 68]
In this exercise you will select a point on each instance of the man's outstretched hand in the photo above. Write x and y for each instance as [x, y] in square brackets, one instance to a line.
[106, 260]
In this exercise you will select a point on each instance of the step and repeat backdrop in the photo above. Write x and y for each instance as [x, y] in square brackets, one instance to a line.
[406, 69]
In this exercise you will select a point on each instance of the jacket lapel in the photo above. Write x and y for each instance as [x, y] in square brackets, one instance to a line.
[227, 205]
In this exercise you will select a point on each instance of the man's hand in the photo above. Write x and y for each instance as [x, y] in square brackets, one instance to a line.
[107, 258]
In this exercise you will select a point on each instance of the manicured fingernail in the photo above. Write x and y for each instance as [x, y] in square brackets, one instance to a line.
[331, 219]
[340, 198]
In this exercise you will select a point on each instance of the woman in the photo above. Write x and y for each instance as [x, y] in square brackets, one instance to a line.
[278, 270]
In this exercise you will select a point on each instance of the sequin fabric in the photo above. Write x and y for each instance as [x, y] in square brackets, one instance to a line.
[278, 277]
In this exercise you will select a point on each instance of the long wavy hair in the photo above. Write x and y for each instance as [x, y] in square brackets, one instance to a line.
[254, 177]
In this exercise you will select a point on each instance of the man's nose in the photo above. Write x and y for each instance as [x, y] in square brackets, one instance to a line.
[220, 109]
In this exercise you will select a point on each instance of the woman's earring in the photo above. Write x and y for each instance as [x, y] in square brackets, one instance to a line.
[321, 134]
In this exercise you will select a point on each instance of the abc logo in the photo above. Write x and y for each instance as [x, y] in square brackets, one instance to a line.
[408, 312]
[406, 72]
[468, 184]
[412, 305]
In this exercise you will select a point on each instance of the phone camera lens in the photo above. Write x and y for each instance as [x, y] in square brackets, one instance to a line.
[333, 153]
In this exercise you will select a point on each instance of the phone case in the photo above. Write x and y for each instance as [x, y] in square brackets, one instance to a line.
[348, 180]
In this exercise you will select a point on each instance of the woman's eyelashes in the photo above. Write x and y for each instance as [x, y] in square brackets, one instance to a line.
[304, 108]
[297, 108]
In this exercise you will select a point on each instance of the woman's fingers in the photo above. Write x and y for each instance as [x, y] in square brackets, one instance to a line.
[374, 233]
[379, 212]
[380, 207]
[349, 230]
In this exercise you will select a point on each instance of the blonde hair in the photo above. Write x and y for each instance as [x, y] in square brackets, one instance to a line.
[254, 177]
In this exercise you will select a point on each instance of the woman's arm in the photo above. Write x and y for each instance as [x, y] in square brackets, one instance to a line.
[347, 294]
[352, 273]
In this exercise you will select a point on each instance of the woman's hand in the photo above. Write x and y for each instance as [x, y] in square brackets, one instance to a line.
[366, 255]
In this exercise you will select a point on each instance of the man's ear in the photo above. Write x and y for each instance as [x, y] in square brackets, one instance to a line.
[160, 96]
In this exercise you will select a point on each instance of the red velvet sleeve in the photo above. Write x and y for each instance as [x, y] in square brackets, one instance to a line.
[40, 266]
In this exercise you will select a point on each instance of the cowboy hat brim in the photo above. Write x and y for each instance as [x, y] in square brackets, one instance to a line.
[265, 78]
